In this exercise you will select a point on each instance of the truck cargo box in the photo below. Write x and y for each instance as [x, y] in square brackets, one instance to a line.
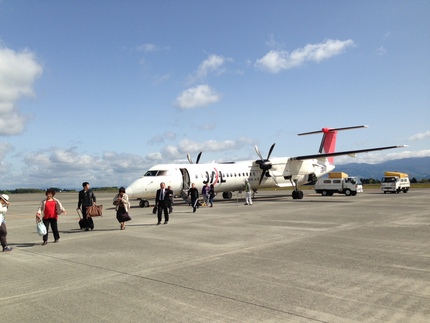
[337, 175]
[393, 174]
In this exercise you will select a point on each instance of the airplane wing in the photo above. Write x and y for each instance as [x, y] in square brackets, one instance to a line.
[341, 153]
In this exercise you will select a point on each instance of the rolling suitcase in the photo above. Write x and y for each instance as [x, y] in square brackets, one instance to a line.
[82, 222]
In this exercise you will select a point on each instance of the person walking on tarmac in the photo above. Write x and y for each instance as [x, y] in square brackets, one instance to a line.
[171, 199]
[161, 201]
[4, 204]
[211, 195]
[205, 194]
[48, 212]
[193, 192]
[122, 205]
[248, 193]
[86, 198]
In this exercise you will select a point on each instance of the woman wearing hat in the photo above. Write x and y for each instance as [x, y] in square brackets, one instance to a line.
[4, 200]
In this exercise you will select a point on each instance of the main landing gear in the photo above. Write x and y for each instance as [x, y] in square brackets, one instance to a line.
[297, 194]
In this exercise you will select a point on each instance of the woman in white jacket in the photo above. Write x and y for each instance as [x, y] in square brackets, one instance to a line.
[51, 208]
[122, 206]
[4, 204]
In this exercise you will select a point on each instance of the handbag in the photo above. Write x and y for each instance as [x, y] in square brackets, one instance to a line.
[124, 217]
[154, 210]
[41, 229]
[95, 210]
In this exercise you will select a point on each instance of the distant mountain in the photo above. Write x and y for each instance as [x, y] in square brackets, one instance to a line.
[418, 167]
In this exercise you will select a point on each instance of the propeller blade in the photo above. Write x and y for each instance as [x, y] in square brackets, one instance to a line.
[261, 177]
[273, 177]
[258, 152]
[198, 157]
[270, 151]
[189, 159]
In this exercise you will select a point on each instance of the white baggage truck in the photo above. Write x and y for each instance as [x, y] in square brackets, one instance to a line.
[338, 182]
[394, 182]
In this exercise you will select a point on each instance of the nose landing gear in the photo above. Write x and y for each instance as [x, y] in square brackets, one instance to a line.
[144, 203]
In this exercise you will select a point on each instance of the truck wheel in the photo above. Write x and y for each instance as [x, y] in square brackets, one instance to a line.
[398, 191]
[324, 193]
[347, 192]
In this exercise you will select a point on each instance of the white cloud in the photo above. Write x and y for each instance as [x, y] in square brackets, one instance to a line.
[273, 43]
[147, 48]
[214, 64]
[18, 71]
[162, 78]
[171, 153]
[5, 149]
[67, 168]
[381, 51]
[198, 96]
[420, 136]
[168, 135]
[278, 60]
[187, 145]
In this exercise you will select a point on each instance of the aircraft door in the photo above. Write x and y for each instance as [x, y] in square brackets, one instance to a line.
[186, 182]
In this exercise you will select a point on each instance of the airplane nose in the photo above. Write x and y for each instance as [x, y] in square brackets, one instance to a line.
[129, 191]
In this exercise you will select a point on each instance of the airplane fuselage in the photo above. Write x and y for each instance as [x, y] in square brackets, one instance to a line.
[226, 177]
[262, 173]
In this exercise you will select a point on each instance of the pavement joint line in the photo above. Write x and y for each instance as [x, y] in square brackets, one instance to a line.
[177, 285]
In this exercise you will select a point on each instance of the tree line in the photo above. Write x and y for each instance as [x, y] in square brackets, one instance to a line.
[56, 189]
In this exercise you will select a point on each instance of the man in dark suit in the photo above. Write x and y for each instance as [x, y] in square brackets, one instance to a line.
[86, 198]
[162, 202]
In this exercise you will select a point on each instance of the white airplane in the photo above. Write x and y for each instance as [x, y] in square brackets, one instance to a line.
[261, 173]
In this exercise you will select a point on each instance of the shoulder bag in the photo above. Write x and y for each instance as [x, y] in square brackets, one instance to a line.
[95, 210]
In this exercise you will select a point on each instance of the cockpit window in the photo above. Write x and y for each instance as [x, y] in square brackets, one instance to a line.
[157, 173]
[151, 173]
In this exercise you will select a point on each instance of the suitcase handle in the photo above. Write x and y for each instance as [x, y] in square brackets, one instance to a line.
[79, 213]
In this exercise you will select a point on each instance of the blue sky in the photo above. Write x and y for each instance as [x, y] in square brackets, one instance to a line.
[99, 91]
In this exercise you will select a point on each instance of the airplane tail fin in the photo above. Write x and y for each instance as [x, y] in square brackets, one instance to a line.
[328, 141]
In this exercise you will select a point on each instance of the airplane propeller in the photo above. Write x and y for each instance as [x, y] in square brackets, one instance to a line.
[264, 164]
[197, 160]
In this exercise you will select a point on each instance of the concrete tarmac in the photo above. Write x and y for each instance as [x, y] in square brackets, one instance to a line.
[320, 259]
